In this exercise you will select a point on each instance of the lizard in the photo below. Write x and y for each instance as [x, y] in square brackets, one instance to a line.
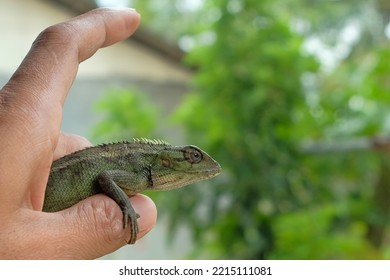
[123, 169]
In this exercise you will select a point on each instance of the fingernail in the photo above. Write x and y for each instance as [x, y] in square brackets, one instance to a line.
[123, 9]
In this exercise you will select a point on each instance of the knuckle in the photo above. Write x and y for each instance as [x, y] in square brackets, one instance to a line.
[55, 34]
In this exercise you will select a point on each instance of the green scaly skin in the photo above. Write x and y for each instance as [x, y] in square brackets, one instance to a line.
[122, 169]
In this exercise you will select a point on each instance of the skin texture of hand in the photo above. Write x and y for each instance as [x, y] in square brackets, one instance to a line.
[30, 139]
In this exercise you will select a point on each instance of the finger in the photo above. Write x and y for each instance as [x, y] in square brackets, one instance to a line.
[96, 225]
[52, 63]
[69, 143]
[88, 230]
[36, 92]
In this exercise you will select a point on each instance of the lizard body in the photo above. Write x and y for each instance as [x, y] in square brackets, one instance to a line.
[122, 169]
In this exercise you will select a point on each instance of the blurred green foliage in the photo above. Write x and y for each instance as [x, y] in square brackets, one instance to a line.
[126, 114]
[325, 232]
[248, 88]
[257, 98]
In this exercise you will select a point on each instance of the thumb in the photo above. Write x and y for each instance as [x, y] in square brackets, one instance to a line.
[94, 227]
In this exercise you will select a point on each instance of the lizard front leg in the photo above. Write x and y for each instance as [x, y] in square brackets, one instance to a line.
[112, 183]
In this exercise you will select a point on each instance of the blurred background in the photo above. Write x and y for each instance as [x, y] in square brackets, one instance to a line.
[291, 97]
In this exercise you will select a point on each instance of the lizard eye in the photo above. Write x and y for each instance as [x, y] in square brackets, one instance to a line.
[195, 156]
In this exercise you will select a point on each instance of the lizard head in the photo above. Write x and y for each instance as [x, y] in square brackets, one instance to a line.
[180, 166]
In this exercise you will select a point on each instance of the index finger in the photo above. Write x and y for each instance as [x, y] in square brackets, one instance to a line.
[46, 74]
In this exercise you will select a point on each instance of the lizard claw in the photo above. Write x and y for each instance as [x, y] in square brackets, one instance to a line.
[130, 220]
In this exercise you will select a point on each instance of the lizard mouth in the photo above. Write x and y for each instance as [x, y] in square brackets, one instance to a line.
[185, 178]
[211, 171]
[214, 172]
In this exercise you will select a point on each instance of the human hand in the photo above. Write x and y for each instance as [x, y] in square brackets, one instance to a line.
[30, 139]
